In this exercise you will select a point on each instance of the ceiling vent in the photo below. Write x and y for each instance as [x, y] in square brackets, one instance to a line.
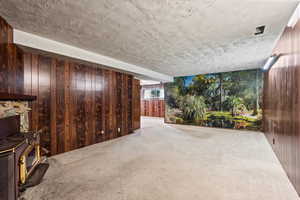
[260, 30]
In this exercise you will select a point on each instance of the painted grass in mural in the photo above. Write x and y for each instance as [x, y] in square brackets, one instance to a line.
[225, 100]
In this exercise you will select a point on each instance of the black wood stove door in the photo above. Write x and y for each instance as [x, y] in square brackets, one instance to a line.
[9, 126]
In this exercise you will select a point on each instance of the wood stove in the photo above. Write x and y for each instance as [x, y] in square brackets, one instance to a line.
[12, 145]
[20, 160]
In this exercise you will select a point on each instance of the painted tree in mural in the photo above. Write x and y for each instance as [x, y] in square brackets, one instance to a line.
[207, 86]
[193, 108]
[221, 100]
[235, 105]
[245, 85]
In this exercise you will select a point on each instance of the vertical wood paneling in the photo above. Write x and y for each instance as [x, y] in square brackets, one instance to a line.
[34, 91]
[119, 103]
[88, 102]
[19, 71]
[11, 78]
[130, 104]
[112, 104]
[73, 89]
[65, 140]
[92, 125]
[99, 106]
[124, 108]
[136, 104]
[11, 61]
[153, 108]
[4, 70]
[28, 82]
[281, 104]
[44, 97]
[77, 104]
[59, 94]
[6, 33]
[5, 45]
[106, 100]
[14, 67]
[53, 105]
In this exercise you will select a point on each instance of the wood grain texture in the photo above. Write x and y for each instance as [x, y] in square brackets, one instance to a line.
[130, 104]
[99, 106]
[6, 32]
[281, 104]
[78, 103]
[136, 104]
[11, 61]
[154, 107]
[44, 98]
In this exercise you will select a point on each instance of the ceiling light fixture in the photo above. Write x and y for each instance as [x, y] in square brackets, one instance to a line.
[270, 62]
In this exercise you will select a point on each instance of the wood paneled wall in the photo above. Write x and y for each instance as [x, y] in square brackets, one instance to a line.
[153, 108]
[282, 104]
[136, 92]
[78, 103]
[11, 70]
[6, 32]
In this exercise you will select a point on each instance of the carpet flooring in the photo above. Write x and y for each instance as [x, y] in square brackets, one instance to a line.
[168, 162]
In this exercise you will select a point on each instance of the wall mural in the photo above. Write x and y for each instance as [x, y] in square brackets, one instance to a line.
[224, 100]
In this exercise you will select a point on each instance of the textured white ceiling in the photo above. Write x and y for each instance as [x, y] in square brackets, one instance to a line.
[174, 37]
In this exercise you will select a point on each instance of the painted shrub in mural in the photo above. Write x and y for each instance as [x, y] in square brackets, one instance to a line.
[225, 100]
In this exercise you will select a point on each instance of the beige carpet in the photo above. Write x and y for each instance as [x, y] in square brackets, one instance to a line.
[169, 162]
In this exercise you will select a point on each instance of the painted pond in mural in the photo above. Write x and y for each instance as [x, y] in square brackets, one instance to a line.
[223, 100]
